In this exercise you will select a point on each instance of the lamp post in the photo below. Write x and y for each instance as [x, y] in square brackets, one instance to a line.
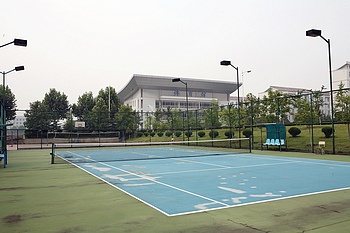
[17, 42]
[316, 33]
[185, 83]
[243, 72]
[228, 63]
[3, 106]
[311, 117]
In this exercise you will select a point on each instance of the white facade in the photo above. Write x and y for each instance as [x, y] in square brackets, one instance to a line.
[341, 75]
[18, 122]
[145, 93]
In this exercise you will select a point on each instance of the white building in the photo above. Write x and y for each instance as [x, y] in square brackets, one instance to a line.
[341, 75]
[18, 122]
[147, 93]
[283, 90]
[292, 91]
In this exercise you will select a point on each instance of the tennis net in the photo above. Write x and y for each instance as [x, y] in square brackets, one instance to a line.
[106, 152]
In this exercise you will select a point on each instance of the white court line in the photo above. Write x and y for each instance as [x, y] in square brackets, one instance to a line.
[217, 169]
[155, 181]
[301, 160]
[115, 186]
[287, 161]
[262, 201]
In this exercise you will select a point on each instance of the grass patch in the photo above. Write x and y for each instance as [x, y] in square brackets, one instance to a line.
[301, 143]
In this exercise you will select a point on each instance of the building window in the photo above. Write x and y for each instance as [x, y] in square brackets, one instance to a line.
[176, 93]
[205, 105]
[157, 104]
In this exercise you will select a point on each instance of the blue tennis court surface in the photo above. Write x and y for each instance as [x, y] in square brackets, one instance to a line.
[177, 186]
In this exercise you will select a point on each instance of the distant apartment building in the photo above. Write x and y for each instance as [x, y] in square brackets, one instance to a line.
[18, 122]
[341, 75]
[292, 91]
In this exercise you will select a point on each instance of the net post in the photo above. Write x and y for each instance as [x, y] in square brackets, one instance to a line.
[52, 153]
[250, 144]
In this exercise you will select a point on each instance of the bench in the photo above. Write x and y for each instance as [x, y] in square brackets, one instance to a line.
[274, 142]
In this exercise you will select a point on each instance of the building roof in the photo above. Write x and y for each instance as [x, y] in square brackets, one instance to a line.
[165, 83]
[347, 64]
[285, 89]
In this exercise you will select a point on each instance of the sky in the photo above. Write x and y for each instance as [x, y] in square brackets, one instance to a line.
[77, 46]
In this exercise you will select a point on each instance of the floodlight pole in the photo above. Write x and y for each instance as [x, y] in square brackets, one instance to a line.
[243, 72]
[185, 83]
[228, 63]
[3, 132]
[315, 33]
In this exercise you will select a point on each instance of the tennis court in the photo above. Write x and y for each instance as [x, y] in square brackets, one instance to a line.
[190, 179]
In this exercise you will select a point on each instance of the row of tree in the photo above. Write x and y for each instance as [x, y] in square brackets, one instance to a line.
[276, 107]
[105, 112]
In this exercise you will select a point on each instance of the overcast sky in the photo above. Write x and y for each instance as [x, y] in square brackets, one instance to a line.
[77, 46]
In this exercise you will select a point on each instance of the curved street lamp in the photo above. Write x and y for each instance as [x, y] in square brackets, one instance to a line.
[228, 63]
[185, 83]
[316, 33]
[17, 42]
[3, 109]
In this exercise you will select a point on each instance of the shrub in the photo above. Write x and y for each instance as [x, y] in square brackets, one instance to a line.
[188, 133]
[294, 131]
[213, 134]
[229, 134]
[327, 131]
[160, 134]
[152, 134]
[201, 134]
[146, 134]
[178, 133]
[168, 133]
[247, 133]
[139, 134]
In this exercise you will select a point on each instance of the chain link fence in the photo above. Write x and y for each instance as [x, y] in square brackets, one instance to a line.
[307, 117]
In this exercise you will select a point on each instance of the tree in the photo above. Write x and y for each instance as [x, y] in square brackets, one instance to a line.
[127, 119]
[84, 106]
[57, 104]
[211, 116]
[229, 115]
[69, 125]
[158, 119]
[276, 106]
[37, 117]
[110, 99]
[99, 117]
[10, 103]
[303, 109]
[317, 102]
[250, 109]
[342, 106]
[175, 119]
